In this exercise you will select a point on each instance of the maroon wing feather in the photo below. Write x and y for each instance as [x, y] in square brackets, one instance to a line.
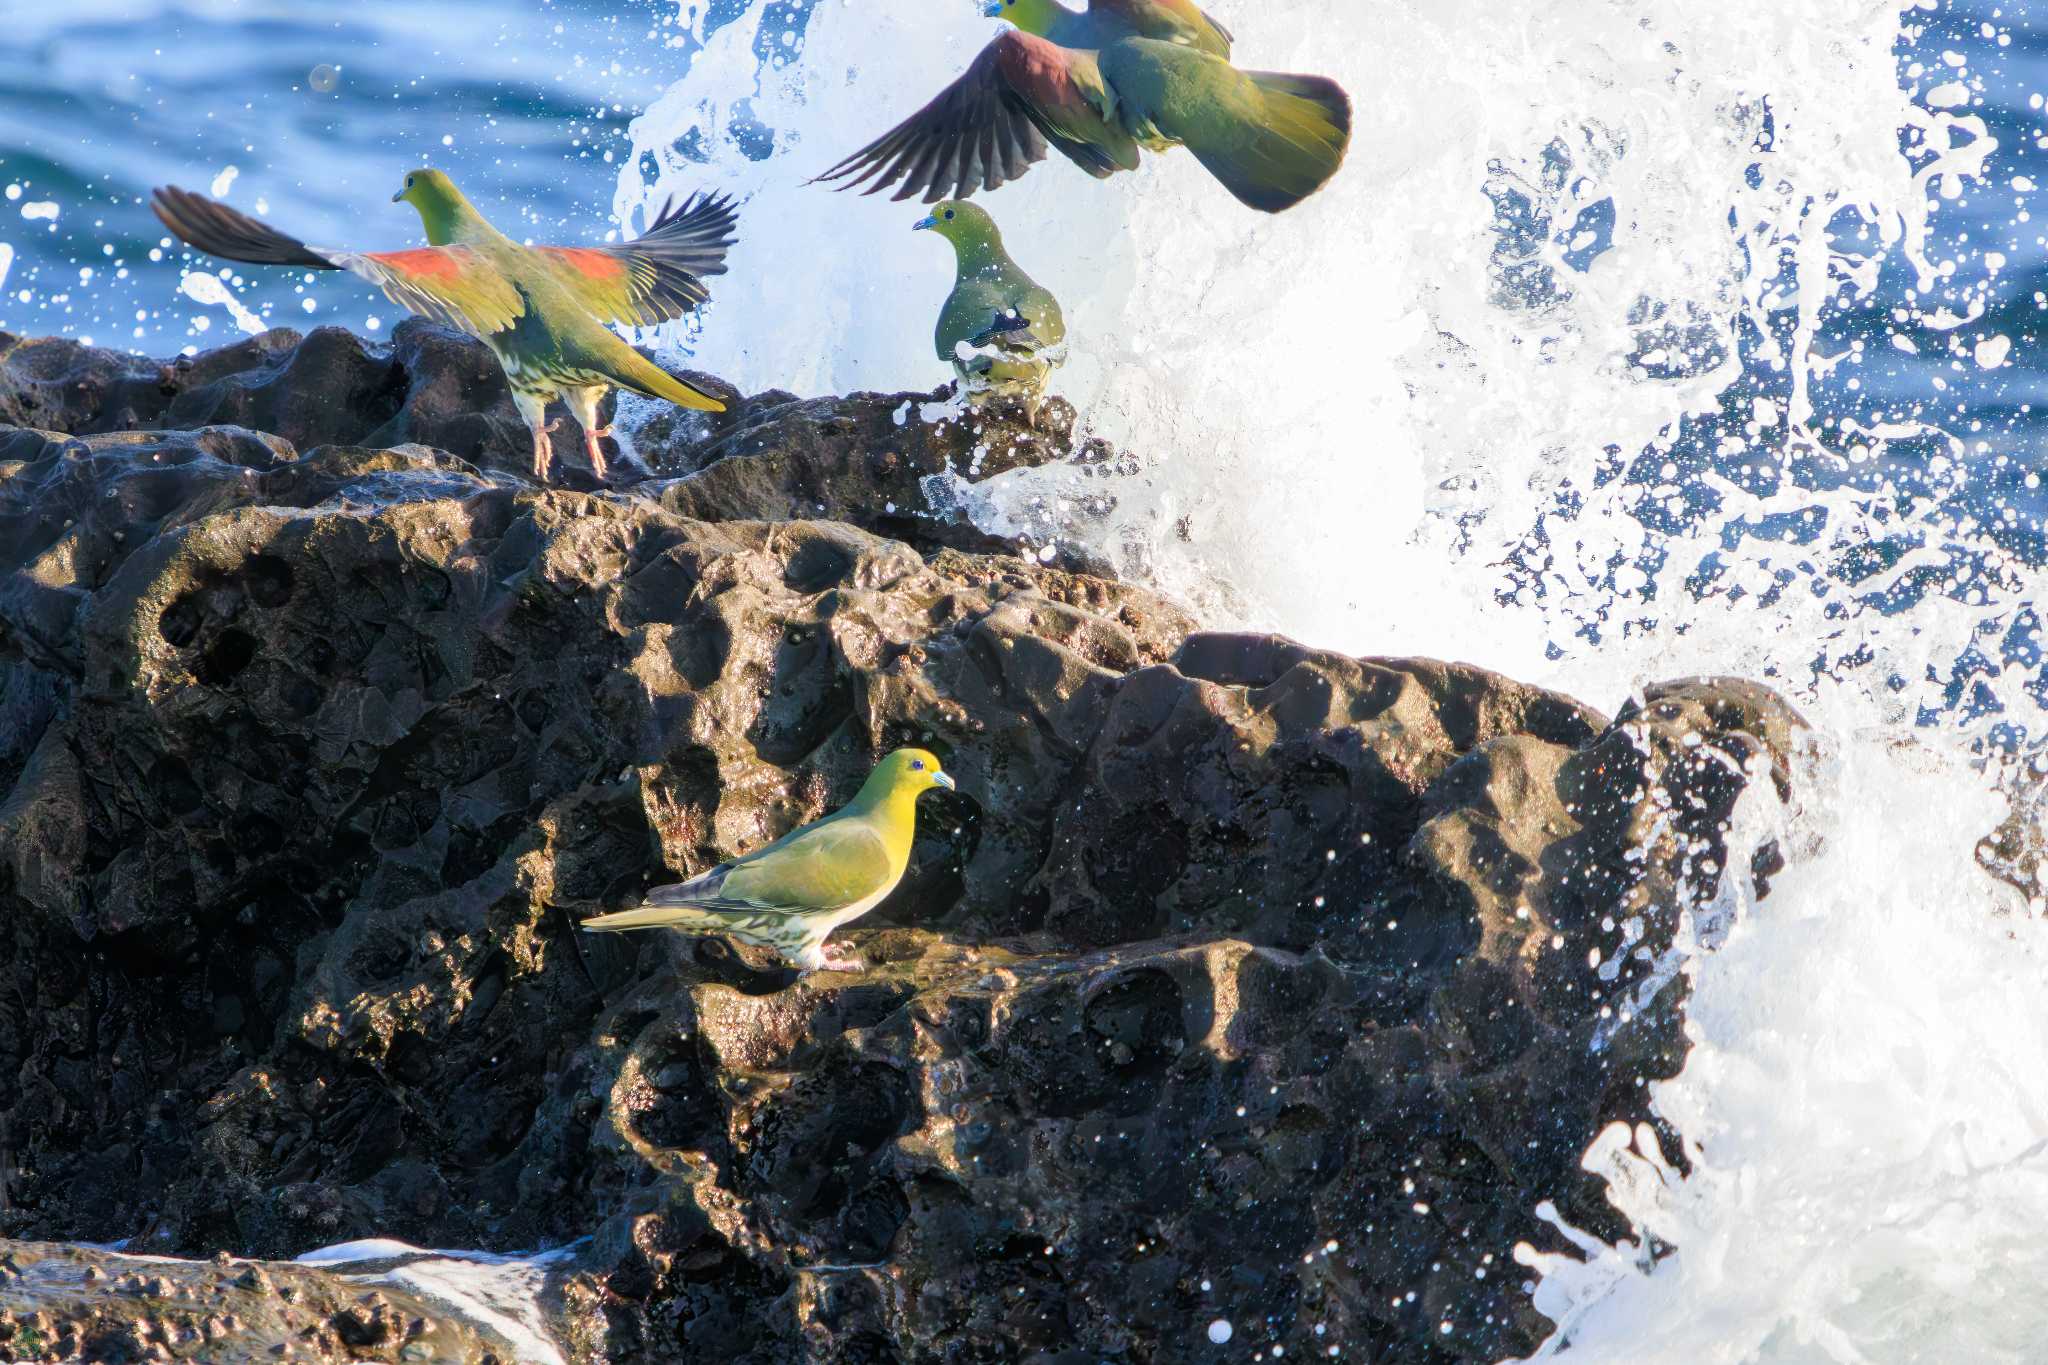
[220, 231]
[982, 131]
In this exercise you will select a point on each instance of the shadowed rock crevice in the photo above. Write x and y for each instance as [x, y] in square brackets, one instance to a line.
[1239, 979]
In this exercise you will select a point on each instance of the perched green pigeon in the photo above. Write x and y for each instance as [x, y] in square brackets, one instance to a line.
[1009, 324]
[1101, 85]
[792, 894]
[1105, 21]
[541, 310]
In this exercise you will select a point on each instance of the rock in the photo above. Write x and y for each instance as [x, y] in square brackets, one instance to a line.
[1240, 980]
[427, 385]
[861, 459]
[204, 1310]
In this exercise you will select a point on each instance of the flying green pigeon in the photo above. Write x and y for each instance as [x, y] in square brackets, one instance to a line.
[1105, 21]
[1148, 74]
[541, 310]
[792, 894]
[1009, 324]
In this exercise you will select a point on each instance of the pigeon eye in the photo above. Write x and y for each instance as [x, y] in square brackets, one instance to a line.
[949, 214]
[917, 765]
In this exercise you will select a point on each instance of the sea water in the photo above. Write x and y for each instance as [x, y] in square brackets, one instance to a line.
[1637, 338]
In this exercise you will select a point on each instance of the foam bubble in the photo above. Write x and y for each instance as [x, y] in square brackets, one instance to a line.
[201, 287]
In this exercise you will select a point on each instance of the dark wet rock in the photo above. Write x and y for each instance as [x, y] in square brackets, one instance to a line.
[861, 459]
[62, 1303]
[2016, 850]
[1240, 979]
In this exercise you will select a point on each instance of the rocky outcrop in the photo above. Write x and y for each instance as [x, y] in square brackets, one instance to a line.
[861, 459]
[78, 1303]
[1239, 981]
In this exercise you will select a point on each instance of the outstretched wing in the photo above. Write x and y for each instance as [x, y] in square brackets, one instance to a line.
[658, 276]
[220, 231]
[983, 130]
[450, 284]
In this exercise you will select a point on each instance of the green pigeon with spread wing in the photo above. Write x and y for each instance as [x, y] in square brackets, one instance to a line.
[791, 895]
[543, 311]
[1001, 330]
[1101, 86]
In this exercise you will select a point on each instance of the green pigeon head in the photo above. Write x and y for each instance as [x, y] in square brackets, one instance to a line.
[1033, 16]
[905, 773]
[961, 223]
[442, 207]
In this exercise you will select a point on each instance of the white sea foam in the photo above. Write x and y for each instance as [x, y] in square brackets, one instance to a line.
[1865, 1107]
[1348, 416]
[501, 1292]
[201, 287]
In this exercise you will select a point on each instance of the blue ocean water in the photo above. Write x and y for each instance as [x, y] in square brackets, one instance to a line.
[320, 107]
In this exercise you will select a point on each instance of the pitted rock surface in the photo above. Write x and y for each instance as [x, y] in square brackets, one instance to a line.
[1238, 980]
[80, 1303]
[863, 459]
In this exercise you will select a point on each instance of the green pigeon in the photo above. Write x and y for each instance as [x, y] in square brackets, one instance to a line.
[1100, 86]
[792, 894]
[542, 310]
[1009, 323]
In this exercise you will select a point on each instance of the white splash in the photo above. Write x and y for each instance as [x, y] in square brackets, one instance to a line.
[1349, 415]
[201, 287]
[6, 261]
[1865, 1107]
[1357, 346]
[223, 182]
[40, 210]
[497, 1291]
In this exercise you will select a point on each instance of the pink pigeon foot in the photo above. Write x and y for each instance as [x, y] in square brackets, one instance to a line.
[836, 961]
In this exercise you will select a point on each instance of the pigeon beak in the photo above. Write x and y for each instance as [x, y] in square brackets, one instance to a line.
[993, 9]
[944, 780]
[921, 224]
[398, 196]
